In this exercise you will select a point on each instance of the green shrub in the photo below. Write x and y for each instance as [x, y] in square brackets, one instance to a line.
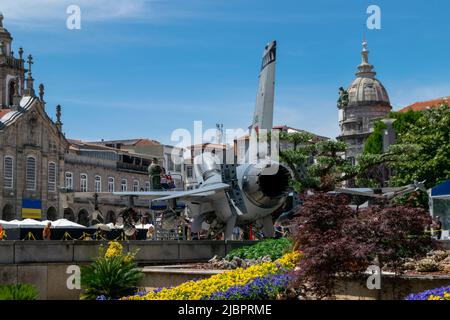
[18, 292]
[112, 274]
[273, 248]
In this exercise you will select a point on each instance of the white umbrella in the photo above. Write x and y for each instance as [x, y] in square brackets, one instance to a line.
[64, 223]
[102, 226]
[8, 224]
[31, 223]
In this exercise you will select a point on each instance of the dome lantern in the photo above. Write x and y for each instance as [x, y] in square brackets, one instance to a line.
[366, 89]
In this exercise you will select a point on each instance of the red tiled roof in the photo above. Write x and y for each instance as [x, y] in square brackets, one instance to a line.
[4, 112]
[423, 105]
[78, 144]
[129, 142]
[147, 142]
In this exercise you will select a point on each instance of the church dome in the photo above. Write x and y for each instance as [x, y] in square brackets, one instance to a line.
[366, 89]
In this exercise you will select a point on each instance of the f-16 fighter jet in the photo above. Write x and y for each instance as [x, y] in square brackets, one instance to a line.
[232, 194]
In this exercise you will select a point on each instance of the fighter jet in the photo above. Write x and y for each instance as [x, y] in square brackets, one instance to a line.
[232, 194]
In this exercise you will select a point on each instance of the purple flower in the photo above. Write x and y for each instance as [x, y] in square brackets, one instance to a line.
[439, 292]
[260, 288]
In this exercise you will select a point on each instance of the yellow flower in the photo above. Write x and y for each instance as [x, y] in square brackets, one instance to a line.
[128, 257]
[195, 290]
[114, 250]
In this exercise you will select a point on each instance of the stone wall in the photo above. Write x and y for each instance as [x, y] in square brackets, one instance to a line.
[149, 252]
[44, 263]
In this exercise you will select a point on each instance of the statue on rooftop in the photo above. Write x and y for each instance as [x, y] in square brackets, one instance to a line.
[343, 98]
[154, 173]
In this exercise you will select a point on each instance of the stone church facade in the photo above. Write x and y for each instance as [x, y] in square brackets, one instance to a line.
[360, 106]
[39, 165]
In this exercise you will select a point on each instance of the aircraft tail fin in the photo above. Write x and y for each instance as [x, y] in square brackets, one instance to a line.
[263, 117]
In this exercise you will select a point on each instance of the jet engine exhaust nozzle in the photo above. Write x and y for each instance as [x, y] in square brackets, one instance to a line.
[266, 191]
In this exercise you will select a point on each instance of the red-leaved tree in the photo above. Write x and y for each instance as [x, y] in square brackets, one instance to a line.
[337, 241]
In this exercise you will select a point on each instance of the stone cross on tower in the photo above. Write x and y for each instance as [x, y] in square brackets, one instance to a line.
[1, 20]
[30, 62]
[30, 90]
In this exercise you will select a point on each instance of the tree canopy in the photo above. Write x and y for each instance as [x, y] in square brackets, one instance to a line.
[321, 166]
[422, 148]
[430, 134]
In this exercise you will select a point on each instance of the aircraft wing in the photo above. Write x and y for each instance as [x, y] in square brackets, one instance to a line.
[141, 195]
[204, 191]
[150, 195]
[366, 192]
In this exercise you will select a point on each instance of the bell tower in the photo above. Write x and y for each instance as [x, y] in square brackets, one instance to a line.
[12, 70]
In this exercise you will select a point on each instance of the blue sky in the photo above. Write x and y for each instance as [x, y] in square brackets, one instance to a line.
[145, 68]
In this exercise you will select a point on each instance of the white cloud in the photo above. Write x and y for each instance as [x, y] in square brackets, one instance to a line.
[24, 11]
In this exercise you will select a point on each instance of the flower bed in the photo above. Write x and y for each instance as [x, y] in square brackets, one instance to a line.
[221, 283]
[272, 248]
[260, 288]
[435, 294]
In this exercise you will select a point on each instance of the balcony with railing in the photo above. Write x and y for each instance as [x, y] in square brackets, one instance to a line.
[13, 62]
[131, 167]
[91, 161]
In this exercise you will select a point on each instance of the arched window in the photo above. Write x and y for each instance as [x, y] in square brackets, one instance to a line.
[51, 177]
[11, 93]
[190, 171]
[83, 182]
[30, 173]
[147, 186]
[123, 185]
[135, 185]
[8, 172]
[68, 181]
[98, 184]
[110, 184]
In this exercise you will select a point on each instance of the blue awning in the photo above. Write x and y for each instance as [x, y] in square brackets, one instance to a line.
[441, 190]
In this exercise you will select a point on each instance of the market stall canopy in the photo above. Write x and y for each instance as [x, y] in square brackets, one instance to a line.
[102, 226]
[63, 223]
[115, 226]
[26, 223]
[441, 190]
[8, 224]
